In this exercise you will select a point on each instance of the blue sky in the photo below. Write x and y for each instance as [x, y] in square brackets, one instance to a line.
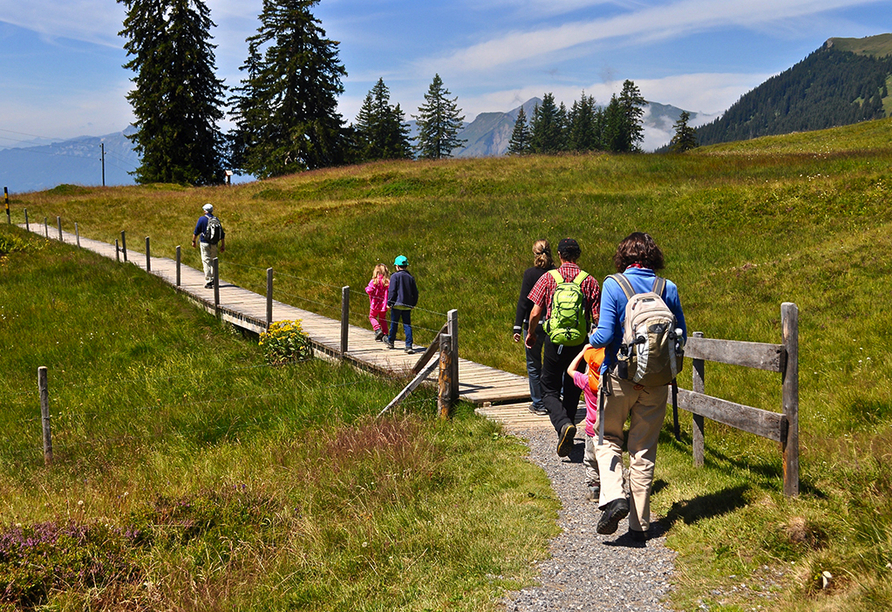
[62, 76]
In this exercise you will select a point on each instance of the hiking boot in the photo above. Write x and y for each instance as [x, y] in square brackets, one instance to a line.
[387, 342]
[410, 350]
[379, 335]
[565, 440]
[615, 511]
[540, 410]
[593, 493]
[208, 285]
[638, 536]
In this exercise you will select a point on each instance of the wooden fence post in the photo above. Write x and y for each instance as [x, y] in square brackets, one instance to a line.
[269, 297]
[345, 318]
[43, 388]
[148, 256]
[124, 245]
[699, 386]
[27, 225]
[46, 227]
[59, 224]
[452, 330]
[117, 251]
[216, 286]
[790, 322]
[77, 234]
[445, 381]
[179, 261]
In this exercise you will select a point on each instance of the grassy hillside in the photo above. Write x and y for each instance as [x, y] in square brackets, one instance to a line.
[189, 475]
[877, 46]
[744, 227]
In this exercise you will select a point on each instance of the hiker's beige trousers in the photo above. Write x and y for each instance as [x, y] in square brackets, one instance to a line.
[645, 407]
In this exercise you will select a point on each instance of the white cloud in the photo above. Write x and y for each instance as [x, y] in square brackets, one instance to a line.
[648, 24]
[93, 21]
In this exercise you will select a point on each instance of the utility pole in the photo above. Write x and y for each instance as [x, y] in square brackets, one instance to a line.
[102, 148]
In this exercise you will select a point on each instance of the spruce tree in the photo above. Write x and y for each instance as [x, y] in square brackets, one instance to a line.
[685, 137]
[439, 121]
[547, 126]
[285, 109]
[520, 137]
[177, 98]
[582, 125]
[632, 105]
[613, 132]
[380, 127]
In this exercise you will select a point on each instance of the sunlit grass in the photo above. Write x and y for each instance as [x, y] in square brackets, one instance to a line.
[744, 226]
[195, 476]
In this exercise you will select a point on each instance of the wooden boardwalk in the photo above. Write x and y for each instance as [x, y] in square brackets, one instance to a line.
[499, 395]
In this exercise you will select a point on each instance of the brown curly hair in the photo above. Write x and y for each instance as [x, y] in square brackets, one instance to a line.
[638, 248]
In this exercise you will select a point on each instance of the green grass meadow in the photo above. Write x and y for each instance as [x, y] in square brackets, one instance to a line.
[746, 226]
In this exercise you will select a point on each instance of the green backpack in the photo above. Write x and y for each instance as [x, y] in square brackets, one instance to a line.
[567, 323]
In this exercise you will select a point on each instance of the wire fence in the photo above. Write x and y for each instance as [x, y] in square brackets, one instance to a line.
[327, 299]
[124, 413]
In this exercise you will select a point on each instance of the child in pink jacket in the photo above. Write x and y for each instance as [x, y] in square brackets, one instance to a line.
[377, 290]
[589, 383]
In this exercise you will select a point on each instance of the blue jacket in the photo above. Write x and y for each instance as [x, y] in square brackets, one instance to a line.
[402, 291]
[609, 332]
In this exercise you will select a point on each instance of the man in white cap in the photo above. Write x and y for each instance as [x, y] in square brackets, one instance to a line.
[210, 232]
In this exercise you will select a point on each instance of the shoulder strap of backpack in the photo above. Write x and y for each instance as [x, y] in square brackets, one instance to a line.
[556, 276]
[659, 286]
[580, 277]
[624, 284]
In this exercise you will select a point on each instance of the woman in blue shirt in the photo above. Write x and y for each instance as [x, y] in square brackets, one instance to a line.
[637, 258]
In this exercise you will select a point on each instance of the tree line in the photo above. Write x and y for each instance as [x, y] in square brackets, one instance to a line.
[828, 88]
[584, 127]
[284, 109]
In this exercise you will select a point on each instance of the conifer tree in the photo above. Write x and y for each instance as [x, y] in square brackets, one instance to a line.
[285, 109]
[439, 121]
[631, 132]
[380, 128]
[177, 98]
[583, 128]
[547, 127]
[520, 137]
[613, 133]
[685, 137]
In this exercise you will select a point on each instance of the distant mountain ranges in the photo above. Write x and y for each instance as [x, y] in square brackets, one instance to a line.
[845, 81]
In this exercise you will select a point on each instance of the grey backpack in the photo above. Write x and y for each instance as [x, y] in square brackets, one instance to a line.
[652, 349]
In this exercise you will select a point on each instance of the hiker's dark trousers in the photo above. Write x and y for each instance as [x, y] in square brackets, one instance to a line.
[559, 394]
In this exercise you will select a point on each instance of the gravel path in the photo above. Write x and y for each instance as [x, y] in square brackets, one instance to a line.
[588, 571]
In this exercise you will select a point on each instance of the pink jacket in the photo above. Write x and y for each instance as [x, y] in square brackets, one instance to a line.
[591, 403]
[377, 295]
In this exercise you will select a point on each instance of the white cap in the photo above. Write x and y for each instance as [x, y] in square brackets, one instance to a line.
[208, 207]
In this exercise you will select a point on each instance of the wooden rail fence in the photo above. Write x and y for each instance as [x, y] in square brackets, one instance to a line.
[781, 427]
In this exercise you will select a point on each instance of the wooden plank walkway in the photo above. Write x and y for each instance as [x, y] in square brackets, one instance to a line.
[502, 396]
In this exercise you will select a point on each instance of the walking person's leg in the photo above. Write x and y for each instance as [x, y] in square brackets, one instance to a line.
[208, 252]
[407, 328]
[570, 393]
[647, 417]
[592, 475]
[609, 453]
[394, 321]
[534, 371]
